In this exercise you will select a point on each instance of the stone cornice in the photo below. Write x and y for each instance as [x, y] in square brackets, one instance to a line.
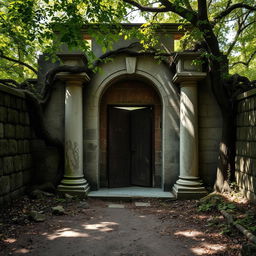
[181, 55]
[73, 79]
[247, 94]
[188, 77]
[73, 59]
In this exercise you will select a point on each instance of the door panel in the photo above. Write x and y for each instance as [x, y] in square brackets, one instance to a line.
[141, 143]
[129, 147]
[118, 148]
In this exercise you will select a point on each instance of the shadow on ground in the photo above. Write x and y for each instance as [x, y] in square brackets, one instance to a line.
[162, 229]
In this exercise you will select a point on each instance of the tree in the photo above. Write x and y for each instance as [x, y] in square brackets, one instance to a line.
[37, 25]
[31, 27]
[212, 21]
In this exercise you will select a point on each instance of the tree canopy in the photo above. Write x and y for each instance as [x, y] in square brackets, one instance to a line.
[30, 27]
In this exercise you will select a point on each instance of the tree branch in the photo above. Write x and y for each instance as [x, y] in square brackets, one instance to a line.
[204, 26]
[9, 82]
[19, 62]
[245, 63]
[188, 5]
[229, 3]
[241, 27]
[146, 8]
[232, 8]
[187, 14]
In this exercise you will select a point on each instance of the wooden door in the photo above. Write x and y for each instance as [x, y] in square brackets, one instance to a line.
[129, 147]
[141, 147]
[118, 147]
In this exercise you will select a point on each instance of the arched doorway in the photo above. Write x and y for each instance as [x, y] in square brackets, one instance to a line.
[130, 135]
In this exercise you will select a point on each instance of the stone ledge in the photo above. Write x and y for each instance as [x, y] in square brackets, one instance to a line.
[246, 94]
[12, 91]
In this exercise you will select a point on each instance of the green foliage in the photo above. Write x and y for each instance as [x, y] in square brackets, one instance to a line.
[214, 202]
[28, 28]
[206, 207]
[225, 228]
[235, 32]
[228, 207]
[248, 221]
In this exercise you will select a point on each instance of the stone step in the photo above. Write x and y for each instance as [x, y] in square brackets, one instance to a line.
[131, 193]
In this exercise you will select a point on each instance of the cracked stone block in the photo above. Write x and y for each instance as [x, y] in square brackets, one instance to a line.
[1, 130]
[8, 165]
[13, 147]
[4, 185]
[4, 147]
[1, 167]
[9, 131]
[3, 114]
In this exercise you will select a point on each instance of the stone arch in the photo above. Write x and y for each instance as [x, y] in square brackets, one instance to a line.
[160, 78]
[128, 92]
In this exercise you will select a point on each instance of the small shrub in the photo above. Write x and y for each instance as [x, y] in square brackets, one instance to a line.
[229, 207]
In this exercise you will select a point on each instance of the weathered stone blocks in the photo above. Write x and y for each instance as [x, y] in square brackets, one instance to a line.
[9, 130]
[18, 163]
[26, 144]
[4, 147]
[7, 100]
[13, 147]
[8, 164]
[3, 114]
[19, 131]
[27, 177]
[4, 185]
[1, 167]
[15, 151]
[245, 162]
[12, 116]
[1, 130]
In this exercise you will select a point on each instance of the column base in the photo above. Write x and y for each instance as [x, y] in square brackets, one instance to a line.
[189, 188]
[74, 186]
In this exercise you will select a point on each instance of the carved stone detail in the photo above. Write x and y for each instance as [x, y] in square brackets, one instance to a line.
[131, 63]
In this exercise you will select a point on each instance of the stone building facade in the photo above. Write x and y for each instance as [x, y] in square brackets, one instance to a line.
[184, 119]
[137, 121]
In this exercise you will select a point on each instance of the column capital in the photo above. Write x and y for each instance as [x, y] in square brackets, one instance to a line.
[73, 60]
[188, 78]
[189, 69]
[73, 79]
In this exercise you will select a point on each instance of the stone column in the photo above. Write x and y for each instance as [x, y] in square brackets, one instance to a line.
[73, 181]
[189, 184]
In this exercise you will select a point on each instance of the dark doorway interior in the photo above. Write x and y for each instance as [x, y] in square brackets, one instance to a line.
[129, 146]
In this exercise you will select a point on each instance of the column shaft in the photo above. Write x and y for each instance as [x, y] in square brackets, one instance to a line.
[189, 185]
[73, 181]
[188, 132]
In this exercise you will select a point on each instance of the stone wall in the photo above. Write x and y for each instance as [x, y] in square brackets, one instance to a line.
[15, 137]
[209, 129]
[246, 144]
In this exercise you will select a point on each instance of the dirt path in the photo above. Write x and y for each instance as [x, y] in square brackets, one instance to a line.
[134, 231]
